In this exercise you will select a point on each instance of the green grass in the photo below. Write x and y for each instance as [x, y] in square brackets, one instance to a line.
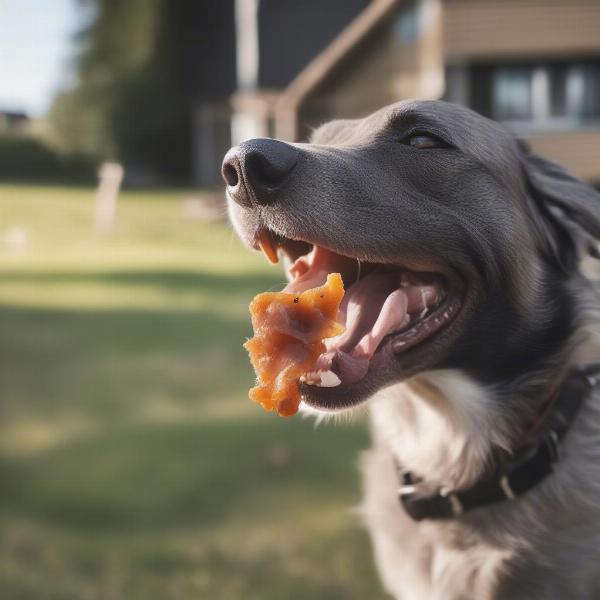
[133, 466]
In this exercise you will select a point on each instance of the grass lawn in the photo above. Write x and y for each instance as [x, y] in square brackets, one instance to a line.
[132, 464]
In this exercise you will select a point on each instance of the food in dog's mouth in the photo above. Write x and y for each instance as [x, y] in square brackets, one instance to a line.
[386, 307]
[289, 329]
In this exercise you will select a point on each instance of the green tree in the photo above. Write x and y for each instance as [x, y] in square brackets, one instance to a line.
[128, 101]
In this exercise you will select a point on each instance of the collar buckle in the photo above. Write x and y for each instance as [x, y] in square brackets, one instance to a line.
[521, 473]
[408, 486]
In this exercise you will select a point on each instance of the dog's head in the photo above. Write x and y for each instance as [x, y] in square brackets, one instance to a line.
[457, 247]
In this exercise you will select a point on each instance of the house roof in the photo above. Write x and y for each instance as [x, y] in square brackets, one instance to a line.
[317, 71]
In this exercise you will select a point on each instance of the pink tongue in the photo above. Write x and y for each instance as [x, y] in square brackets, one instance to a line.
[362, 304]
[376, 305]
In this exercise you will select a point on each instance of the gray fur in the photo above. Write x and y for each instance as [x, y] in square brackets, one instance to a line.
[514, 228]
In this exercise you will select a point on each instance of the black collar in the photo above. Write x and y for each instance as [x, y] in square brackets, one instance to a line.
[515, 476]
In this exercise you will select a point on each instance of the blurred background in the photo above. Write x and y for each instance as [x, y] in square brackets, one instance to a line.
[132, 463]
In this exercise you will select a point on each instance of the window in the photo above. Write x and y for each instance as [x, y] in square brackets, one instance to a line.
[407, 24]
[512, 94]
[546, 96]
[583, 91]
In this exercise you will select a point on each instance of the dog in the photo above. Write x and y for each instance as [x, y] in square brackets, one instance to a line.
[468, 317]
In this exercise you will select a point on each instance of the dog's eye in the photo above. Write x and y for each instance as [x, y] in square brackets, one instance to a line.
[423, 141]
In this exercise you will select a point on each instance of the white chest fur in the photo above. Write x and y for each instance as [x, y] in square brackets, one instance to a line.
[448, 437]
[543, 546]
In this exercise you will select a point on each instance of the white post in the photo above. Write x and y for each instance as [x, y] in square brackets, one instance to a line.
[243, 120]
[246, 25]
[110, 176]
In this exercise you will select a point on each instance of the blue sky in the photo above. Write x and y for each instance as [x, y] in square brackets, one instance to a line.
[35, 47]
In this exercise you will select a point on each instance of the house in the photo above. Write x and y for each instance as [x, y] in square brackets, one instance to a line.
[257, 47]
[531, 64]
[13, 121]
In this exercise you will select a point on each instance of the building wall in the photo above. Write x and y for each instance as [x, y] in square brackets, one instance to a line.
[488, 28]
[579, 151]
[493, 31]
[383, 72]
[400, 59]
[292, 32]
[211, 138]
[388, 67]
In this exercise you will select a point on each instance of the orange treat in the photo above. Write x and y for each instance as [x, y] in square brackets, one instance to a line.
[289, 330]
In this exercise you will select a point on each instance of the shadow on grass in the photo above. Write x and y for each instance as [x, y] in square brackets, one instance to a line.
[114, 359]
[176, 475]
[107, 366]
[246, 285]
[215, 508]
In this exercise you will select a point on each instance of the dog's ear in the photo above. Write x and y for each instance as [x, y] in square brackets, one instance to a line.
[566, 210]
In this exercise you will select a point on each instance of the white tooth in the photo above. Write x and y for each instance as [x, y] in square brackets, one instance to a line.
[399, 343]
[302, 379]
[329, 379]
[446, 315]
[312, 377]
[423, 312]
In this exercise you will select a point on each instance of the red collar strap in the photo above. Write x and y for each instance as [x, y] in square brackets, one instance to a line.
[514, 476]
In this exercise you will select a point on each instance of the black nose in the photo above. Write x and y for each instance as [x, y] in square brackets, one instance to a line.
[255, 170]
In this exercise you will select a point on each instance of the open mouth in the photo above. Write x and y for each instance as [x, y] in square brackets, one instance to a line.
[388, 310]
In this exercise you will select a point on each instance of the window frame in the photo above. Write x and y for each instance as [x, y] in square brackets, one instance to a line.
[473, 82]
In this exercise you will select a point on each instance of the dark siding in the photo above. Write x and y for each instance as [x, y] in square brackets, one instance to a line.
[293, 32]
[481, 89]
[207, 43]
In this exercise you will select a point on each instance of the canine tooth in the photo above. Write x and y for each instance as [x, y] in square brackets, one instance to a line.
[423, 312]
[269, 249]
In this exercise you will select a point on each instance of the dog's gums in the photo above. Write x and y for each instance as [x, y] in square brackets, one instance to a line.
[387, 310]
